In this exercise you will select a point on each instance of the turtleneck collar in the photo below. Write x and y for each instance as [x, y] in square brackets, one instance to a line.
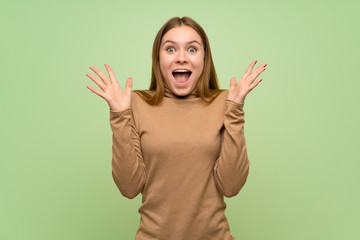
[169, 94]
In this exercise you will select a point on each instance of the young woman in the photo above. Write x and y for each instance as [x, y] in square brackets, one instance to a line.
[181, 143]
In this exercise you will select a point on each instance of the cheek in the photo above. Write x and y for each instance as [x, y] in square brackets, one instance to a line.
[200, 63]
[162, 65]
[164, 62]
[160, 60]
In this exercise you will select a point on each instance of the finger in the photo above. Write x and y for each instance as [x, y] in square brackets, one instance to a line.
[101, 75]
[94, 90]
[256, 73]
[96, 80]
[248, 70]
[111, 73]
[232, 83]
[128, 85]
[255, 84]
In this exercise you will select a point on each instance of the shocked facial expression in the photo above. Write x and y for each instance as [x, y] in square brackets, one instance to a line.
[181, 59]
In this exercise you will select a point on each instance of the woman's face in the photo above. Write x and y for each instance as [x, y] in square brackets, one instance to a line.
[181, 59]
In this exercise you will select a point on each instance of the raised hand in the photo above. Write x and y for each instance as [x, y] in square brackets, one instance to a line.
[117, 99]
[238, 91]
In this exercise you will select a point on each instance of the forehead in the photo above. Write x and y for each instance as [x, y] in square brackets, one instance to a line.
[181, 34]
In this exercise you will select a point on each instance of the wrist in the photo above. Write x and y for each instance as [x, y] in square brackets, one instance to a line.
[240, 100]
[116, 107]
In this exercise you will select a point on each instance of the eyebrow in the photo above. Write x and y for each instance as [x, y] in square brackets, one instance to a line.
[194, 41]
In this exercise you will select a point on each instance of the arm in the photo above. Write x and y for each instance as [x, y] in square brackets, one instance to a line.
[232, 166]
[128, 168]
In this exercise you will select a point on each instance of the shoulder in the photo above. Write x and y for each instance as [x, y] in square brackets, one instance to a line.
[138, 103]
[139, 106]
[218, 105]
[224, 92]
[222, 96]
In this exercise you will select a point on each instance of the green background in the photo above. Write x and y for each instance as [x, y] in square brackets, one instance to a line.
[302, 120]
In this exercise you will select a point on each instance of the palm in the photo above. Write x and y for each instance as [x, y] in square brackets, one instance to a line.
[117, 99]
[116, 94]
[238, 91]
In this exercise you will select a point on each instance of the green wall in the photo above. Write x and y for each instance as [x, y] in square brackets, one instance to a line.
[302, 120]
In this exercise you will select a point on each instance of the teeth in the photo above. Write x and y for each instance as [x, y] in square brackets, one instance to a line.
[181, 70]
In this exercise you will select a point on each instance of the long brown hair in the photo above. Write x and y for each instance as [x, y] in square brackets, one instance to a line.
[207, 85]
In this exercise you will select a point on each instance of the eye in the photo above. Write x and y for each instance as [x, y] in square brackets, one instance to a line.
[170, 49]
[192, 49]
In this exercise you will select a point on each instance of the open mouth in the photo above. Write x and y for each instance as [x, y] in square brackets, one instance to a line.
[181, 76]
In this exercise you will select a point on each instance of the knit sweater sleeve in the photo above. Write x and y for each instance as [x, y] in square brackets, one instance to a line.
[232, 165]
[128, 167]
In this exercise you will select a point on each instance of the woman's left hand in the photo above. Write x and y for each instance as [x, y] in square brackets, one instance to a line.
[238, 92]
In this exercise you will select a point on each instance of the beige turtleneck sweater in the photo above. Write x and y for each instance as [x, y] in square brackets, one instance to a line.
[183, 156]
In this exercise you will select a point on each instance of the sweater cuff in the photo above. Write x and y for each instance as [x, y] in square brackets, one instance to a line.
[122, 114]
[236, 104]
[234, 109]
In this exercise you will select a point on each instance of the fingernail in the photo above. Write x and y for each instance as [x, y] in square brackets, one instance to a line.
[255, 61]
[265, 65]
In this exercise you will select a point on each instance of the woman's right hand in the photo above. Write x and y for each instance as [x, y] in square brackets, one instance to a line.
[117, 99]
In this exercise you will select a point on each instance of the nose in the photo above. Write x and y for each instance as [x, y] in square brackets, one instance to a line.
[182, 58]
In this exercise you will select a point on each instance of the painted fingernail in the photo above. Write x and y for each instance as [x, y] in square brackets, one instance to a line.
[255, 61]
[265, 65]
